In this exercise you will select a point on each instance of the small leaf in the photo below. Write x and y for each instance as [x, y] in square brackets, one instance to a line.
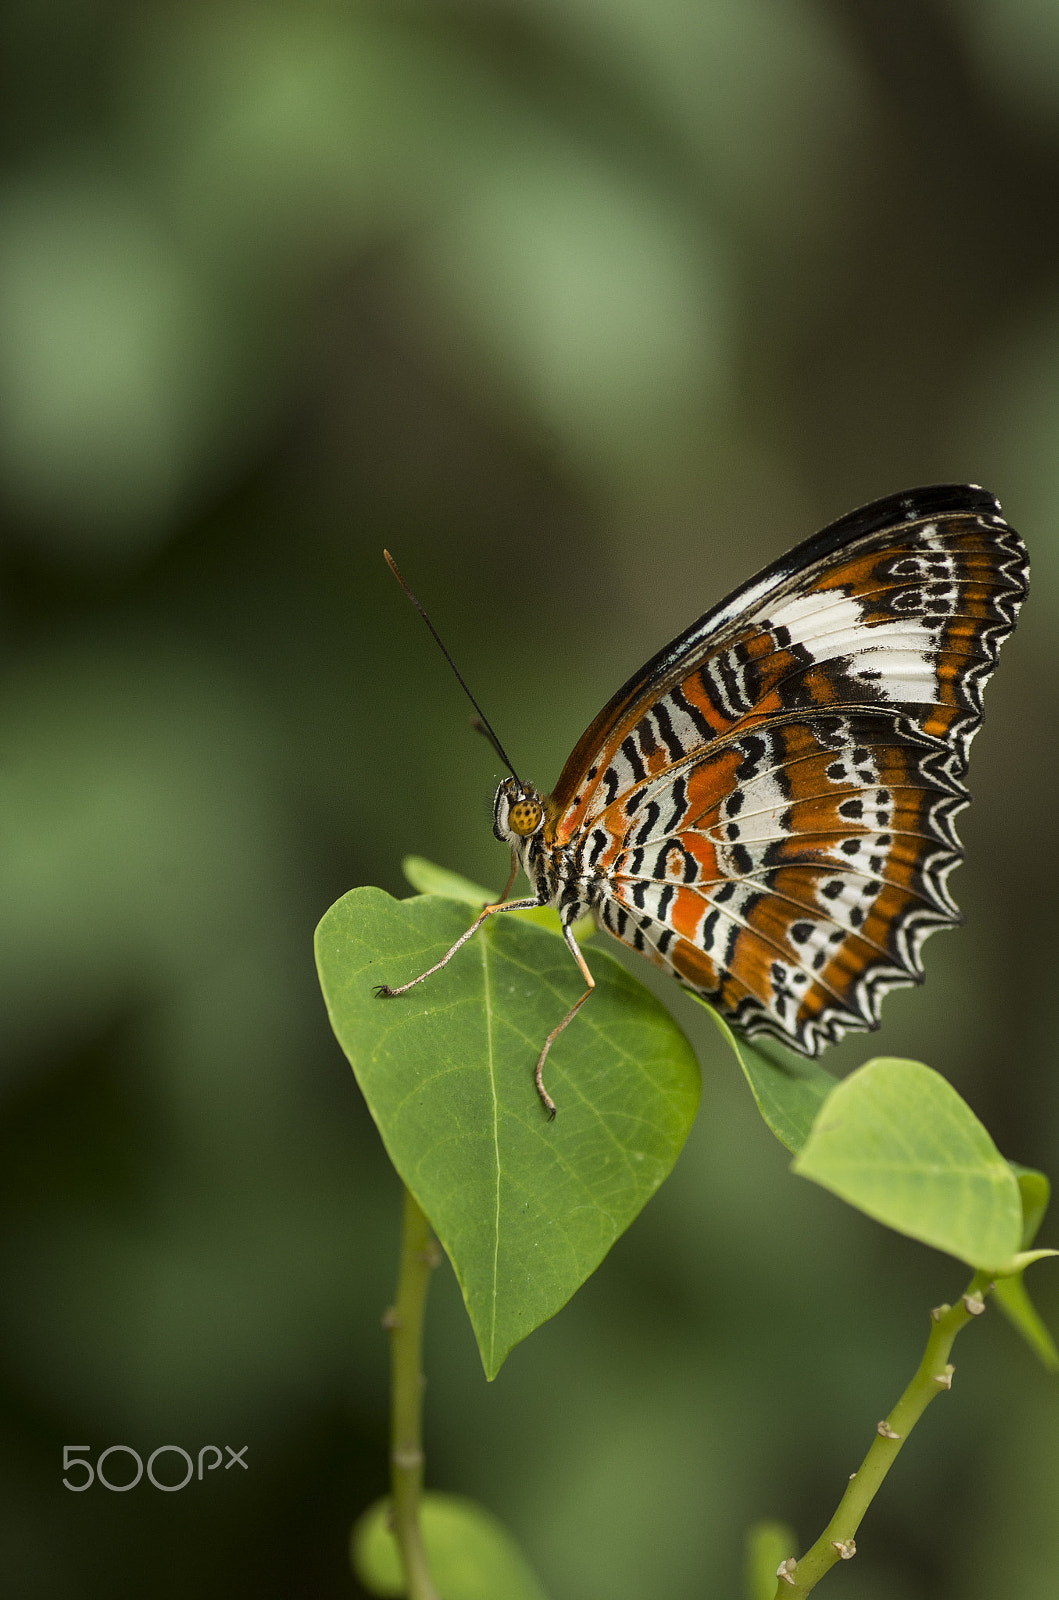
[1035, 1192]
[470, 1553]
[1012, 1296]
[1010, 1293]
[525, 1208]
[768, 1543]
[895, 1140]
[1023, 1259]
[789, 1090]
[427, 878]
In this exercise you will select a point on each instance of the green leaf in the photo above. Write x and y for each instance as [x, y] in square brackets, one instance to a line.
[428, 878]
[1026, 1258]
[1035, 1191]
[1010, 1293]
[788, 1089]
[471, 1555]
[525, 1208]
[1012, 1296]
[895, 1140]
[768, 1543]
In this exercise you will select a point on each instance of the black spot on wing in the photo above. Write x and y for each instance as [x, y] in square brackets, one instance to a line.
[598, 843]
[693, 714]
[668, 733]
[651, 813]
[632, 756]
[680, 805]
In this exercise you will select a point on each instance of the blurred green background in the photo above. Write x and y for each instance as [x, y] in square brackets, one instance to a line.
[585, 308]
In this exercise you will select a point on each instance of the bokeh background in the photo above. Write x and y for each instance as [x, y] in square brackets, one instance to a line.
[585, 308]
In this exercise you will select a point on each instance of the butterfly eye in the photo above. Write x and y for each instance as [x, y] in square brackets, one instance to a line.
[524, 817]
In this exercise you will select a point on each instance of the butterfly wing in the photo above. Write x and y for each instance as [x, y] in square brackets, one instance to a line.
[766, 808]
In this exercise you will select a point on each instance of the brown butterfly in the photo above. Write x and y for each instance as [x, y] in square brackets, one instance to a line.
[765, 810]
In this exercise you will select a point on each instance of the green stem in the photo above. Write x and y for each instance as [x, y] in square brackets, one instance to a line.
[419, 1255]
[932, 1378]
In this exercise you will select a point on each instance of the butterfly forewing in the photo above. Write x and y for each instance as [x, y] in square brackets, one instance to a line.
[765, 810]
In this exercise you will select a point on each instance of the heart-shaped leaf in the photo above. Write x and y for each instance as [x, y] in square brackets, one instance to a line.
[895, 1140]
[525, 1208]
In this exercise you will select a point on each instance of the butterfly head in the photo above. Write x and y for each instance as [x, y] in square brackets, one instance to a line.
[518, 811]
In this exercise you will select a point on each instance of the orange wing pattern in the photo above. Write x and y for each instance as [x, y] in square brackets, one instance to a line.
[766, 809]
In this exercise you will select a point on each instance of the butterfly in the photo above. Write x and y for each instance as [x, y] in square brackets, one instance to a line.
[765, 809]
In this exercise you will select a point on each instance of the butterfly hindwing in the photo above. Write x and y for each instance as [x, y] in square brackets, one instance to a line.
[823, 865]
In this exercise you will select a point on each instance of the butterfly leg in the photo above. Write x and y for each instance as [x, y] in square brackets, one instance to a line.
[506, 890]
[384, 991]
[575, 950]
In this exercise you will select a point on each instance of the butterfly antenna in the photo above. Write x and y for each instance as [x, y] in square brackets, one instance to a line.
[481, 726]
[481, 723]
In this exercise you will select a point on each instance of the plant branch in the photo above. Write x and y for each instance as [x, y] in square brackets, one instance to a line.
[933, 1376]
[419, 1256]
